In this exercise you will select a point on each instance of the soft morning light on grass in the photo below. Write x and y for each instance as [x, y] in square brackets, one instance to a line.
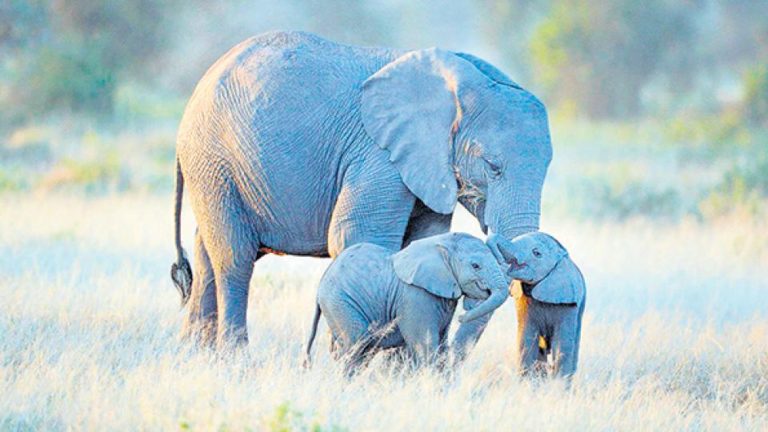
[674, 335]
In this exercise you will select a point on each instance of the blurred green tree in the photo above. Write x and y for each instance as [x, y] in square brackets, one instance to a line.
[70, 54]
[598, 56]
[743, 48]
[756, 95]
[741, 35]
[508, 27]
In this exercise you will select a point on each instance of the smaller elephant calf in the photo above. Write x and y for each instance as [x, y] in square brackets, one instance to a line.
[550, 303]
[373, 299]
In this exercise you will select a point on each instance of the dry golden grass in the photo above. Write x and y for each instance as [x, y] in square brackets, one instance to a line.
[675, 335]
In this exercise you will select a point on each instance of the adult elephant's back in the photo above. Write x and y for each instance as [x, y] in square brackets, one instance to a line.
[258, 126]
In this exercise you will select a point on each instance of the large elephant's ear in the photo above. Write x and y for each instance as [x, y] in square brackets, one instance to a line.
[564, 285]
[411, 108]
[426, 264]
[489, 70]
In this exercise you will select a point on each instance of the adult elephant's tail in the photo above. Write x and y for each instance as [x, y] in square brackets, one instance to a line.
[181, 271]
[308, 354]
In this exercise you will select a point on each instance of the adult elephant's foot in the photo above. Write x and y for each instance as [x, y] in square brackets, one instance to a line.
[201, 334]
[232, 341]
[200, 326]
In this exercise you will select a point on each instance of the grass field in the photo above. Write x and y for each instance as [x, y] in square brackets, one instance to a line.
[675, 334]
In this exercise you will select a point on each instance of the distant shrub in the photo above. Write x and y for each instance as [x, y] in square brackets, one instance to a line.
[598, 56]
[134, 102]
[69, 77]
[605, 198]
[756, 95]
[715, 132]
[743, 188]
[71, 54]
[13, 179]
[30, 145]
[101, 174]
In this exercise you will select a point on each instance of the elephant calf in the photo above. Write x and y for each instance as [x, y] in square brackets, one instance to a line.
[550, 303]
[373, 299]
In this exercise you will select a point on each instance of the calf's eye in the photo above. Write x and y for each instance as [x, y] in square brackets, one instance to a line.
[536, 253]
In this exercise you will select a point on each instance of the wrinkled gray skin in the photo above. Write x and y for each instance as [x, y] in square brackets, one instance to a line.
[550, 304]
[294, 144]
[373, 299]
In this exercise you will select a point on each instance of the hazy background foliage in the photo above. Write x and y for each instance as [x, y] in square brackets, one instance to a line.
[91, 91]
[603, 59]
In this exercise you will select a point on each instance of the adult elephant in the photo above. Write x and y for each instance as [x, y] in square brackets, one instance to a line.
[294, 144]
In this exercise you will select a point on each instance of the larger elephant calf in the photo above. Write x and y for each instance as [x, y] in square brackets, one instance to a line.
[373, 299]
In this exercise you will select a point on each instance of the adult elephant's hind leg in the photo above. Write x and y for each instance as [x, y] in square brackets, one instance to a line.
[200, 326]
[232, 246]
[232, 281]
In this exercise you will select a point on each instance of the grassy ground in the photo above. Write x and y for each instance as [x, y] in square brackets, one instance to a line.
[675, 335]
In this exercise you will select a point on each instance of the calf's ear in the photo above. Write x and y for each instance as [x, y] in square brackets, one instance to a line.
[425, 263]
[564, 285]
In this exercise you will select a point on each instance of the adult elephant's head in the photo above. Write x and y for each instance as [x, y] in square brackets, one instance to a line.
[457, 128]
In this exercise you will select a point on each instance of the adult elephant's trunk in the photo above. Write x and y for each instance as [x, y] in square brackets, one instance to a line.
[513, 208]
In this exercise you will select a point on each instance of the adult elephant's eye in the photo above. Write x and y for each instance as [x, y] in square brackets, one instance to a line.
[476, 266]
[494, 169]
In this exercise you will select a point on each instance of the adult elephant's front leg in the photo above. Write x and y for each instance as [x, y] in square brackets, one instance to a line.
[373, 206]
[424, 222]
